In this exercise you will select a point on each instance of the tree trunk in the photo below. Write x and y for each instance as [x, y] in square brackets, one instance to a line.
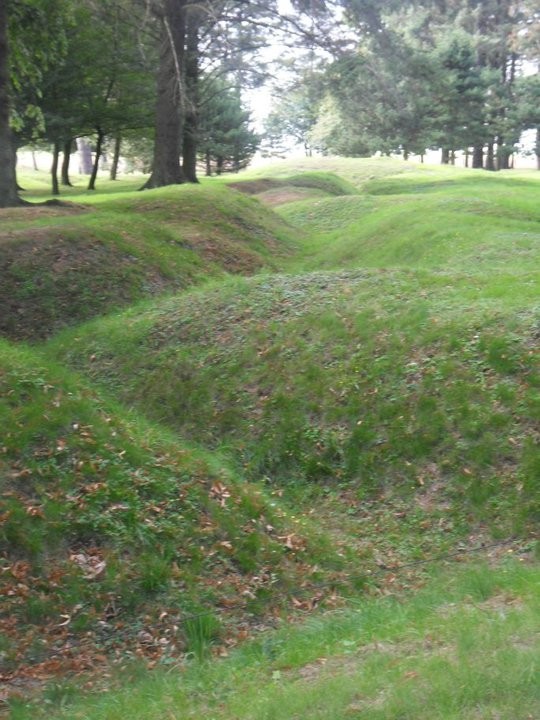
[169, 111]
[478, 157]
[116, 156]
[85, 157]
[99, 149]
[54, 169]
[219, 165]
[537, 148]
[65, 164]
[189, 151]
[467, 157]
[236, 158]
[8, 182]
[208, 163]
[490, 157]
[191, 120]
[422, 156]
[504, 154]
[452, 157]
[34, 161]
[445, 156]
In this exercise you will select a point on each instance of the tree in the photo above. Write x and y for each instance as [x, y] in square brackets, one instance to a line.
[527, 45]
[226, 142]
[103, 85]
[32, 38]
[8, 183]
[293, 116]
[166, 169]
[377, 102]
[119, 91]
[426, 73]
[235, 29]
[459, 95]
[192, 100]
[527, 108]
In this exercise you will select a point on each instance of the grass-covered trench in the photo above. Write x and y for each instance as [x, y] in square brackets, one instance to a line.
[320, 375]
[401, 356]
[466, 646]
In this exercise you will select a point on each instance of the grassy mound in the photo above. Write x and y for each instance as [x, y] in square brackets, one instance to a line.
[388, 385]
[355, 171]
[380, 379]
[480, 224]
[60, 266]
[421, 369]
[109, 526]
[327, 183]
[307, 185]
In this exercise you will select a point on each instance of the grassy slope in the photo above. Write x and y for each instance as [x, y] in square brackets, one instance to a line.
[412, 380]
[106, 520]
[100, 508]
[309, 183]
[419, 369]
[427, 219]
[63, 265]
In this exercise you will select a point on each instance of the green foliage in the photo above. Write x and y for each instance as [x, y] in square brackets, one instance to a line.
[226, 143]
[37, 41]
[528, 104]
[293, 116]
[423, 76]
[201, 632]
[459, 96]
[101, 84]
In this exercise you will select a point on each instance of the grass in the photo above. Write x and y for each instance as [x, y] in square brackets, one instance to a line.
[353, 171]
[106, 519]
[308, 184]
[62, 265]
[350, 387]
[377, 380]
[477, 225]
[463, 646]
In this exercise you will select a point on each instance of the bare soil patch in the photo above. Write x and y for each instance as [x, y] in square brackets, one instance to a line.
[27, 213]
[281, 196]
[230, 256]
[255, 187]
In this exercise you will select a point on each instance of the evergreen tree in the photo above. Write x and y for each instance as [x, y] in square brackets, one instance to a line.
[226, 142]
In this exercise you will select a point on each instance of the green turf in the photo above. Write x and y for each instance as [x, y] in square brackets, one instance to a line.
[62, 265]
[100, 506]
[410, 344]
[350, 386]
[465, 646]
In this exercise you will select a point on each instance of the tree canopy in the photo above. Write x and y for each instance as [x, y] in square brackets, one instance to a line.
[413, 75]
[398, 76]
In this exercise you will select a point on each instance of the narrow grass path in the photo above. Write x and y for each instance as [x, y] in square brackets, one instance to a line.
[465, 646]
